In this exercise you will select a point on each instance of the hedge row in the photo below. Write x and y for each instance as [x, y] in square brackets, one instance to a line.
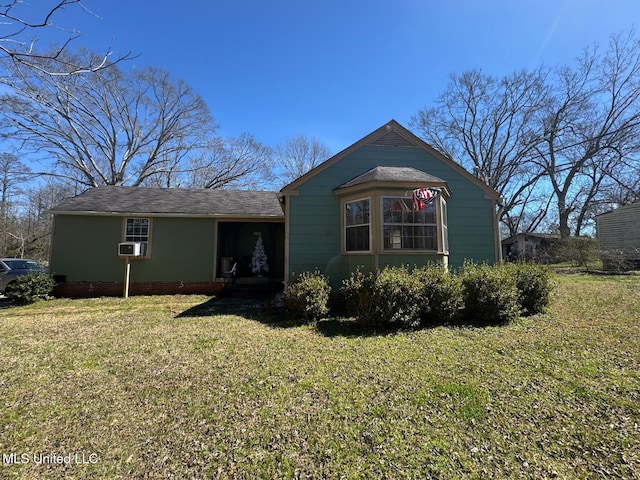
[431, 295]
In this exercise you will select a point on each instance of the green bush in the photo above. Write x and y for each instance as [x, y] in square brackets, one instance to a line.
[307, 299]
[579, 251]
[431, 295]
[397, 299]
[388, 297]
[533, 283]
[357, 291]
[441, 294]
[29, 288]
[490, 295]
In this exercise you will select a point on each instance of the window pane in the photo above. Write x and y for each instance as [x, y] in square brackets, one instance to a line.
[392, 237]
[396, 210]
[137, 230]
[137, 227]
[405, 228]
[357, 213]
[357, 218]
[357, 239]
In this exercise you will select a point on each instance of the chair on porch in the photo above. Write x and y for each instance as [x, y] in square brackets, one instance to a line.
[229, 275]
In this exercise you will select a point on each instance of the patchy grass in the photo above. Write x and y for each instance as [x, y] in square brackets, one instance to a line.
[140, 390]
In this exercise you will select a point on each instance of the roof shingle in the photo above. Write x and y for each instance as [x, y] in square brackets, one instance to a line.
[392, 174]
[173, 201]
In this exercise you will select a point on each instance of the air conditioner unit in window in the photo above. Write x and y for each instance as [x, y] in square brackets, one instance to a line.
[130, 249]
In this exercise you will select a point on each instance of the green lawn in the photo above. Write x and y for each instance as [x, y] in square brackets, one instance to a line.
[137, 389]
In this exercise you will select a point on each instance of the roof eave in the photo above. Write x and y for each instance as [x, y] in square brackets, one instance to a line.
[95, 213]
[391, 185]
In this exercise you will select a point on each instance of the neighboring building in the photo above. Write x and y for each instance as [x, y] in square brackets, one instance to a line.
[355, 210]
[529, 246]
[618, 233]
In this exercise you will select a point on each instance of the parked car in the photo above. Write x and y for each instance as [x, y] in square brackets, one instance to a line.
[12, 268]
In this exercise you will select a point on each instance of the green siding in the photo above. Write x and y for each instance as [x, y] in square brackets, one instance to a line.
[84, 248]
[315, 237]
[182, 250]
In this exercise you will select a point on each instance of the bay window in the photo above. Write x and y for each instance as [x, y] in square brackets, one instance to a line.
[408, 229]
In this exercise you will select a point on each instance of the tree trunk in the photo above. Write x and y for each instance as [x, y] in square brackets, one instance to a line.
[563, 216]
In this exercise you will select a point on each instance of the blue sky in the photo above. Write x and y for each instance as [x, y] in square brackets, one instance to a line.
[338, 69]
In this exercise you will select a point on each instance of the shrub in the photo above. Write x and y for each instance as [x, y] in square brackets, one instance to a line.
[441, 293]
[397, 298]
[579, 251]
[533, 283]
[388, 297]
[307, 298]
[620, 259]
[490, 295]
[357, 291]
[481, 295]
[29, 288]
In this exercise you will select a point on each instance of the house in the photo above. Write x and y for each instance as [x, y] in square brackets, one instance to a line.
[529, 246]
[189, 239]
[355, 210]
[618, 233]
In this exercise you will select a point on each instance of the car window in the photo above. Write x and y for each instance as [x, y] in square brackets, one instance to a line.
[34, 266]
[19, 264]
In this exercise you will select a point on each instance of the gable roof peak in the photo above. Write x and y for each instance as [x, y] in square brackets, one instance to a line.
[391, 136]
[395, 135]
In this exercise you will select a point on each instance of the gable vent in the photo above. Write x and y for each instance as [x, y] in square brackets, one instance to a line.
[392, 139]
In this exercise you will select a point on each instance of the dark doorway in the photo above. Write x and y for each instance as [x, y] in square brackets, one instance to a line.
[237, 243]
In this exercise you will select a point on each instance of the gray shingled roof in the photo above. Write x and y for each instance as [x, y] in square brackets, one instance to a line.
[392, 174]
[173, 201]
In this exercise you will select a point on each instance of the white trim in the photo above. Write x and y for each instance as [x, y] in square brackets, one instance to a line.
[148, 242]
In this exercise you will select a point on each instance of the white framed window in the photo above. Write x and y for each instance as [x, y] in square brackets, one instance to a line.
[357, 225]
[404, 228]
[138, 230]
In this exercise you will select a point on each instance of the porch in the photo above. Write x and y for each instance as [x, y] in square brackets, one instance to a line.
[236, 245]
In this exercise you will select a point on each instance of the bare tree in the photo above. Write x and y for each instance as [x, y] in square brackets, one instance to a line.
[591, 128]
[297, 156]
[488, 125]
[110, 128]
[35, 220]
[240, 162]
[19, 22]
[623, 186]
[571, 134]
[13, 174]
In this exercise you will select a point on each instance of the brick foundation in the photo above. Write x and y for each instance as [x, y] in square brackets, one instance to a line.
[116, 289]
